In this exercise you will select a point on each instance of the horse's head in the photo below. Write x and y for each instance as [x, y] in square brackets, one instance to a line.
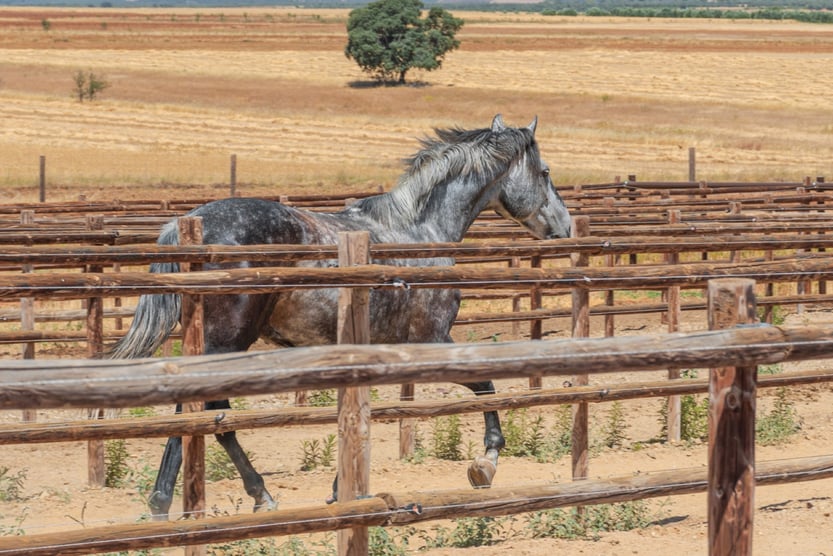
[526, 193]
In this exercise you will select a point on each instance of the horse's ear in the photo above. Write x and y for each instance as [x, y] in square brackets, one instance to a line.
[531, 127]
[497, 123]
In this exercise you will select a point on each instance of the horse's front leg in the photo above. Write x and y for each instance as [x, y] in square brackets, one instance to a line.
[482, 470]
[252, 480]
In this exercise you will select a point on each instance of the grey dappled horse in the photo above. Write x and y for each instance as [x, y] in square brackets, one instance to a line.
[446, 185]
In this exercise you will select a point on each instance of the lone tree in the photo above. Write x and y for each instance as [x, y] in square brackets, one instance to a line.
[386, 38]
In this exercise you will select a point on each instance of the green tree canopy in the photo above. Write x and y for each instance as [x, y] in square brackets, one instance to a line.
[386, 38]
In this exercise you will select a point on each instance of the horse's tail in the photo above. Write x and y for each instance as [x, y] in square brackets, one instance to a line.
[156, 315]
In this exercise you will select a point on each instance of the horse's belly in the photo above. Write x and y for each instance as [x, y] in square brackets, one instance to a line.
[311, 318]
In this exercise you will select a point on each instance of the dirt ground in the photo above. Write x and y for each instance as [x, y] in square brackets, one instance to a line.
[790, 519]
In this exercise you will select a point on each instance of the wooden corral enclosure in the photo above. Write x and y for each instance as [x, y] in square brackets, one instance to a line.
[736, 242]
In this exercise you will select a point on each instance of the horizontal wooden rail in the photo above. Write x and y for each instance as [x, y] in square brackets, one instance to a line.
[33, 384]
[273, 280]
[385, 509]
[594, 245]
[218, 422]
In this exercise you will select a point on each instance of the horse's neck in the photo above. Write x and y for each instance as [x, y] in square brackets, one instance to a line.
[452, 208]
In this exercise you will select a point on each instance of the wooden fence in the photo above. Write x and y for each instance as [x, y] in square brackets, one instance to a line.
[44, 384]
[712, 234]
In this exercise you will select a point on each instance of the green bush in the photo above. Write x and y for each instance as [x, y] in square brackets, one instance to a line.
[116, 470]
[447, 438]
[779, 424]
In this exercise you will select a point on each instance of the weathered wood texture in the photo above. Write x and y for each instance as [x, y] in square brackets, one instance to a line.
[193, 343]
[132, 383]
[395, 509]
[353, 401]
[580, 437]
[732, 390]
[270, 280]
[225, 421]
[687, 240]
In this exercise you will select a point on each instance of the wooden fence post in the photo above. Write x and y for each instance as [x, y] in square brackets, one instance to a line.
[233, 176]
[27, 315]
[692, 164]
[535, 325]
[731, 489]
[42, 179]
[96, 469]
[581, 329]
[193, 343]
[673, 420]
[353, 402]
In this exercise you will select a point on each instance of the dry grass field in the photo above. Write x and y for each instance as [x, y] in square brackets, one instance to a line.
[188, 88]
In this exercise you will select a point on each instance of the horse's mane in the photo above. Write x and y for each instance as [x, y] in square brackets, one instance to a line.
[480, 153]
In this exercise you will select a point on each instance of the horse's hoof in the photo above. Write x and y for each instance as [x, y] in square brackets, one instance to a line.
[266, 506]
[481, 472]
[159, 505]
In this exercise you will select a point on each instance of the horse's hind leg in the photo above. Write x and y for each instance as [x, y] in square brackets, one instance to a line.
[482, 470]
[252, 480]
[163, 490]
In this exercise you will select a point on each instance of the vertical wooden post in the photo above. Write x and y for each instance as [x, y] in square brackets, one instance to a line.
[42, 179]
[581, 329]
[193, 343]
[515, 262]
[674, 414]
[535, 325]
[96, 470]
[353, 402]
[731, 495]
[27, 315]
[692, 164]
[233, 176]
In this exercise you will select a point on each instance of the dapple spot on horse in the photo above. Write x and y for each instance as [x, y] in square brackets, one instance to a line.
[447, 183]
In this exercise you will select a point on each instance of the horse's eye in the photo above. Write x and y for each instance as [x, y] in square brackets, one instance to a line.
[545, 172]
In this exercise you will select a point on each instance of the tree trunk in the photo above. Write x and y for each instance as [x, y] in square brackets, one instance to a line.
[402, 77]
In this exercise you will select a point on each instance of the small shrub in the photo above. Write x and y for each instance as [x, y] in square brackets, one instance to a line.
[46, 24]
[240, 404]
[780, 423]
[88, 85]
[447, 438]
[383, 543]
[318, 454]
[468, 532]
[613, 431]
[248, 547]
[141, 412]
[694, 415]
[525, 434]
[11, 484]
[116, 469]
[570, 524]
[322, 398]
[16, 528]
